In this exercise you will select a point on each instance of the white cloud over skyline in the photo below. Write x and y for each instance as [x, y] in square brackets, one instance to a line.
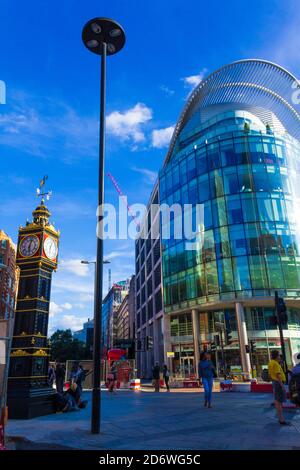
[161, 137]
[192, 81]
[128, 125]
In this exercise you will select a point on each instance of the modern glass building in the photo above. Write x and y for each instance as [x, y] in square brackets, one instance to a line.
[236, 150]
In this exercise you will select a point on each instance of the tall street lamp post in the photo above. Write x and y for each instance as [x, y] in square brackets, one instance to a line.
[104, 37]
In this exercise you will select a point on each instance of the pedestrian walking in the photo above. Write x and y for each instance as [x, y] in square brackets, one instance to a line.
[278, 380]
[166, 376]
[81, 376]
[59, 377]
[156, 376]
[294, 381]
[207, 373]
[51, 375]
[112, 377]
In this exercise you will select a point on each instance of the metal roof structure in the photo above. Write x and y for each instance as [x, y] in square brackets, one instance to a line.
[252, 83]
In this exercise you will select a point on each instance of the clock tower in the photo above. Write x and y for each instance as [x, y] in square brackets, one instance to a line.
[29, 394]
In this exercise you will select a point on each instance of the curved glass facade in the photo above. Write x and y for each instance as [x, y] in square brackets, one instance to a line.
[248, 180]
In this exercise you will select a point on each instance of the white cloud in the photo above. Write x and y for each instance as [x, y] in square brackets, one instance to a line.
[127, 125]
[67, 306]
[161, 137]
[74, 266]
[149, 175]
[120, 254]
[194, 80]
[64, 322]
[56, 308]
[85, 298]
[63, 285]
[167, 91]
[45, 127]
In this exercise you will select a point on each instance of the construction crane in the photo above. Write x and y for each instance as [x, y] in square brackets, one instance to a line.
[124, 199]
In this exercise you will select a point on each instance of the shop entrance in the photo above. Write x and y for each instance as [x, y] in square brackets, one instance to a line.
[187, 366]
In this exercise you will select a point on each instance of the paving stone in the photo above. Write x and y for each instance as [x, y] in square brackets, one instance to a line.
[164, 421]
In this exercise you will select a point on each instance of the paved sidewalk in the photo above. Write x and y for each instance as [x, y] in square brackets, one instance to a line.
[177, 420]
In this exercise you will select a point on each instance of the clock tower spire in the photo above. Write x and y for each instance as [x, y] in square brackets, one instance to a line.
[29, 394]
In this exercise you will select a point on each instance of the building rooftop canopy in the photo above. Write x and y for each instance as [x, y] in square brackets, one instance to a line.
[261, 87]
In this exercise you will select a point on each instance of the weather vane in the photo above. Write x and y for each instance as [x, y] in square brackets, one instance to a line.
[40, 192]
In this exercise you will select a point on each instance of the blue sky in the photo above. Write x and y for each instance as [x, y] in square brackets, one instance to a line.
[49, 124]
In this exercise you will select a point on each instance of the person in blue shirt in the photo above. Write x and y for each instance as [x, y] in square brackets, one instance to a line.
[206, 371]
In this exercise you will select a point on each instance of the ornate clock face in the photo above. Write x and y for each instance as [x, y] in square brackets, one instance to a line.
[50, 248]
[29, 245]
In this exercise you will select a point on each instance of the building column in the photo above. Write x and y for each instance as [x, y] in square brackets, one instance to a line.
[243, 337]
[196, 336]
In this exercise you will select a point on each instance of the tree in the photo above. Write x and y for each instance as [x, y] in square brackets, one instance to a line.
[64, 347]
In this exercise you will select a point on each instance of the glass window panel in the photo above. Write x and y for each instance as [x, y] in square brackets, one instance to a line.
[286, 241]
[180, 254]
[185, 194]
[279, 208]
[169, 182]
[241, 150]
[256, 149]
[226, 282]
[228, 156]
[216, 184]
[176, 179]
[274, 272]
[249, 207]
[265, 207]
[182, 288]
[201, 161]
[260, 178]
[245, 179]
[219, 212]
[183, 171]
[258, 272]
[290, 273]
[173, 260]
[191, 166]
[269, 239]
[222, 242]
[285, 181]
[191, 285]
[213, 156]
[253, 238]
[275, 182]
[231, 184]
[208, 249]
[193, 192]
[234, 210]
[281, 153]
[241, 273]
[269, 150]
[203, 188]
[212, 278]
[207, 215]
[237, 240]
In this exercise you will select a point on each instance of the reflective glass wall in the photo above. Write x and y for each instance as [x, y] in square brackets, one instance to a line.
[248, 181]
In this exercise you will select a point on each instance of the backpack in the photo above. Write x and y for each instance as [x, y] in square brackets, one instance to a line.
[265, 375]
[294, 388]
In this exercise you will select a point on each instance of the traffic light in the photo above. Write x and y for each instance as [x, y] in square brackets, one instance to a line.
[281, 309]
[149, 343]
[213, 347]
[138, 344]
[247, 348]
[229, 339]
[253, 346]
